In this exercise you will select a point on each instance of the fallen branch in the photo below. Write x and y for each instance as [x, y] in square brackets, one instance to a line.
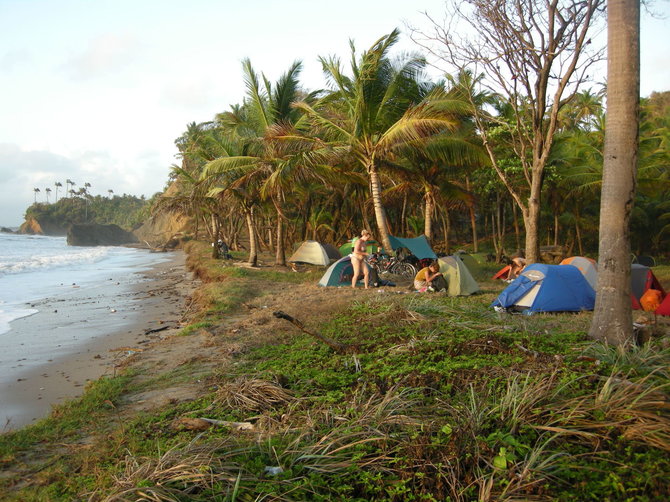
[240, 426]
[528, 351]
[338, 347]
[155, 330]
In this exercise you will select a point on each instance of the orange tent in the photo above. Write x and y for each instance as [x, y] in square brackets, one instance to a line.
[503, 273]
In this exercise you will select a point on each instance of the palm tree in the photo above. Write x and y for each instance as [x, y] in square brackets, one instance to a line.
[272, 159]
[58, 185]
[612, 317]
[47, 191]
[435, 167]
[110, 192]
[84, 193]
[72, 184]
[376, 111]
[36, 190]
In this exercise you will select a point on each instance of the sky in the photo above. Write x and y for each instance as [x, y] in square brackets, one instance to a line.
[97, 91]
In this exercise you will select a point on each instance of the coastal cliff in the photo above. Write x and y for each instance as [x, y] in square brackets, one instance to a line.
[165, 228]
[42, 227]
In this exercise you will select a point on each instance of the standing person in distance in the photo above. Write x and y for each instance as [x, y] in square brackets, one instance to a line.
[358, 255]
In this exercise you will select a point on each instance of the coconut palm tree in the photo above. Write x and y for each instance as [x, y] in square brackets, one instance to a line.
[47, 191]
[36, 190]
[378, 110]
[58, 185]
[110, 192]
[273, 152]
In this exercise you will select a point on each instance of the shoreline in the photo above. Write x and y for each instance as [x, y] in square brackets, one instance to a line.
[99, 328]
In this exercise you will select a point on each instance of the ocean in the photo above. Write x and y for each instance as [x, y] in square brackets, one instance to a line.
[56, 302]
[33, 268]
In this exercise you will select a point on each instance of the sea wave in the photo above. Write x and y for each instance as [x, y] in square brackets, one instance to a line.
[36, 262]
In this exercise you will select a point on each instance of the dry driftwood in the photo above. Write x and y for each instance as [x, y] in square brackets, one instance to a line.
[338, 347]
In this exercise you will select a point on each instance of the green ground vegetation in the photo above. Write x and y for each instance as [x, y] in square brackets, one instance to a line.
[440, 399]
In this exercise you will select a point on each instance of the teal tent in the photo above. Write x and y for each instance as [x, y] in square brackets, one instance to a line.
[340, 273]
[418, 246]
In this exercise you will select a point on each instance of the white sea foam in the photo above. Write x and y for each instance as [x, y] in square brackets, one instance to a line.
[37, 262]
[37, 267]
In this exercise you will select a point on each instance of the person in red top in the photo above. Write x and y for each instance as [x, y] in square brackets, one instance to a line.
[358, 255]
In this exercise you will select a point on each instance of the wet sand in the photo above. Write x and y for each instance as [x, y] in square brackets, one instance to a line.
[85, 334]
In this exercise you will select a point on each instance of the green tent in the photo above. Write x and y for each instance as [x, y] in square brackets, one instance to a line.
[345, 248]
[459, 279]
[470, 262]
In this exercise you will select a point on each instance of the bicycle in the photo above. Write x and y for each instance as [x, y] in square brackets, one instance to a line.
[385, 264]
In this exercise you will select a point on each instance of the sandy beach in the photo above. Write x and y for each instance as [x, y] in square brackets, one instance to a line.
[102, 327]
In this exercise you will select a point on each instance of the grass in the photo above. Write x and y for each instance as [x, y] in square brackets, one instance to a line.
[444, 400]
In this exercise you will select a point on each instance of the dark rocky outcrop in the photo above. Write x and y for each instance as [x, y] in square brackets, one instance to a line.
[99, 235]
[6, 230]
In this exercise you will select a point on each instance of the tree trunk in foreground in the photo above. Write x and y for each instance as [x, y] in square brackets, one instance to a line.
[612, 318]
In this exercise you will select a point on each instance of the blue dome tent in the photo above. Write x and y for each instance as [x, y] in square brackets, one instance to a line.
[547, 288]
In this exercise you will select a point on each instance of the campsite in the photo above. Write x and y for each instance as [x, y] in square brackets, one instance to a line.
[429, 287]
[446, 386]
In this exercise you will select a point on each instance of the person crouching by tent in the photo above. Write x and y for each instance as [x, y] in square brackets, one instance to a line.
[430, 279]
[517, 264]
[358, 254]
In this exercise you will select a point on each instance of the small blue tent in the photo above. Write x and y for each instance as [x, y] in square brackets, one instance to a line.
[340, 273]
[547, 288]
[418, 246]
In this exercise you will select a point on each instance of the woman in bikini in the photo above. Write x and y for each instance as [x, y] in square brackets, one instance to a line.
[358, 254]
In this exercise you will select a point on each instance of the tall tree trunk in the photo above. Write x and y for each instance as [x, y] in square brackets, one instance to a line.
[216, 223]
[517, 231]
[555, 229]
[428, 216]
[531, 220]
[251, 228]
[380, 214]
[473, 219]
[280, 256]
[612, 319]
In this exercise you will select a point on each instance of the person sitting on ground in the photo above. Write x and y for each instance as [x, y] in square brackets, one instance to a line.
[358, 254]
[517, 264]
[430, 278]
[224, 250]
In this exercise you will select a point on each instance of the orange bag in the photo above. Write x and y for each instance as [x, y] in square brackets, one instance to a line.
[651, 300]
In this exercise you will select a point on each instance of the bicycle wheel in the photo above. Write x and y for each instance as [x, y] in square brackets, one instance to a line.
[405, 270]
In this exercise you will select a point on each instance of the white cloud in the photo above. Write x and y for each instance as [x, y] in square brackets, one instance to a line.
[105, 55]
[15, 59]
[196, 93]
[21, 171]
